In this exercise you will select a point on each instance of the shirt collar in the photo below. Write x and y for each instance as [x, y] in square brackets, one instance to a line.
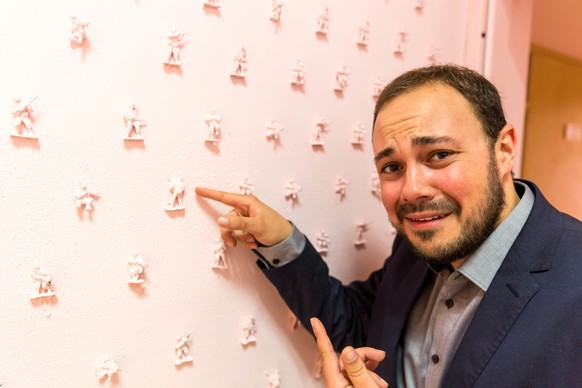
[481, 267]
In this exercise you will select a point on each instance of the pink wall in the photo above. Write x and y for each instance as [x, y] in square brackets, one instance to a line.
[82, 96]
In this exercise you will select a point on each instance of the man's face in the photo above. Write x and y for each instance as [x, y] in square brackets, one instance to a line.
[439, 179]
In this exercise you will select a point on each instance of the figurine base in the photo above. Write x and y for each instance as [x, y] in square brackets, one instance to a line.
[24, 136]
[212, 140]
[138, 281]
[177, 64]
[219, 266]
[238, 75]
[42, 295]
[183, 361]
[318, 144]
[134, 138]
[247, 341]
[359, 243]
[212, 5]
[297, 83]
[174, 208]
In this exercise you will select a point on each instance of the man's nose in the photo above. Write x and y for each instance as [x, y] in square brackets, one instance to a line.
[417, 185]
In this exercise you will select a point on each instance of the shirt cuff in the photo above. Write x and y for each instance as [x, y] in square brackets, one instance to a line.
[282, 253]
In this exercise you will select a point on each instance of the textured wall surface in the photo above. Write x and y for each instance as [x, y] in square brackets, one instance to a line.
[82, 94]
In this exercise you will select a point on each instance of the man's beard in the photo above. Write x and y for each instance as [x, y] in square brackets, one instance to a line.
[473, 232]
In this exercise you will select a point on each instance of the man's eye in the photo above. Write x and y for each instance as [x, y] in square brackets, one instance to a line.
[441, 155]
[391, 168]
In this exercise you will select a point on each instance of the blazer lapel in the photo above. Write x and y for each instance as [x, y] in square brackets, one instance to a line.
[506, 297]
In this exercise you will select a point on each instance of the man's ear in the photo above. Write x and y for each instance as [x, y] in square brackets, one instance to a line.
[505, 149]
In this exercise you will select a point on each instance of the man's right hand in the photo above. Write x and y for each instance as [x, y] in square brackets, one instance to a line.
[250, 221]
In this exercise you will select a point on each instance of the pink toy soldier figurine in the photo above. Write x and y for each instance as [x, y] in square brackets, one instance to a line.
[133, 123]
[177, 188]
[358, 136]
[361, 227]
[212, 3]
[84, 198]
[273, 378]
[320, 127]
[292, 190]
[419, 6]
[78, 35]
[375, 189]
[182, 350]
[106, 367]
[433, 52]
[219, 251]
[323, 21]
[249, 332]
[401, 38]
[340, 186]
[364, 33]
[136, 269]
[42, 284]
[341, 78]
[379, 85]
[22, 119]
[298, 74]
[276, 10]
[240, 64]
[247, 187]
[213, 121]
[174, 46]
[273, 130]
[322, 241]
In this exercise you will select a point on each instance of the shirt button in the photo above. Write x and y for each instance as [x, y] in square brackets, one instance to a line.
[449, 303]
[435, 358]
[276, 261]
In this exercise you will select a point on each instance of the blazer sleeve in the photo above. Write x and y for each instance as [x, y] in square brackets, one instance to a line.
[309, 291]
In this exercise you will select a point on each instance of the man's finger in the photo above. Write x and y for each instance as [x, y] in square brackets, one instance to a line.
[230, 199]
[331, 372]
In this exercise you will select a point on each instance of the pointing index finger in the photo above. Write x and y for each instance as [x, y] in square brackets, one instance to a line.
[224, 197]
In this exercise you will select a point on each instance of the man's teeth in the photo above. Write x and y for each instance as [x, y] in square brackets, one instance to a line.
[427, 219]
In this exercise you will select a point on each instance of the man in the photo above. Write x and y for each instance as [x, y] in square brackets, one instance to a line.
[483, 284]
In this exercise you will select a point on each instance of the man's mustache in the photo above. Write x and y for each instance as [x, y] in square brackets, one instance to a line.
[440, 205]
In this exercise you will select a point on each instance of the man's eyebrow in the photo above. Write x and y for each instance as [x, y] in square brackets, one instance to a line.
[417, 141]
[383, 154]
[426, 140]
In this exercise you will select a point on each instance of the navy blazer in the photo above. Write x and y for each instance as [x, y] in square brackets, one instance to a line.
[527, 331]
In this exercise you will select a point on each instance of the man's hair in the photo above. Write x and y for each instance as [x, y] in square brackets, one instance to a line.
[481, 94]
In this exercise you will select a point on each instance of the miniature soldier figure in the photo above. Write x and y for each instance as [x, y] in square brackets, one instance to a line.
[106, 367]
[42, 284]
[320, 127]
[364, 33]
[219, 251]
[433, 52]
[361, 227]
[419, 6]
[400, 40]
[276, 10]
[136, 269]
[78, 35]
[174, 45]
[249, 332]
[341, 78]
[323, 21]
[273, 378]
[378, 87]
[322, 241]
[212, 3]
[84, 198]
[247, 187]
[240, 63]
[375, 184]
[298, 74]
[177, 188]
[182, 350]
[358, 136]
[213, 121]
[273, 130]
[132, 123]
[340, 186]
[292, 190]
[22, 118]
